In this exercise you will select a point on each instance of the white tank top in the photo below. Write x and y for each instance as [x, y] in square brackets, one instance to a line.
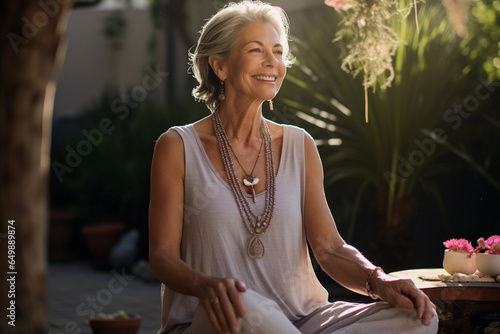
[215, 239]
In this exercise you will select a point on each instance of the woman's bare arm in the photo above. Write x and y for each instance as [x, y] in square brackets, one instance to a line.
[166, 211]
[342, 262]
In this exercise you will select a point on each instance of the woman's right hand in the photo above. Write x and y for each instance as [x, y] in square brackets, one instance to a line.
[221, 298]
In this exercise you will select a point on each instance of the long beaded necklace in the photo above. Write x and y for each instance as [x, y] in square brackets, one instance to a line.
[249, 179]
[256, 225]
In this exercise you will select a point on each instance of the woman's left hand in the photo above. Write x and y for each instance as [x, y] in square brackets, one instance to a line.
[403, 292]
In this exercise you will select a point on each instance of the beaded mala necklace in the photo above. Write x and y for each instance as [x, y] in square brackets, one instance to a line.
[249, 179]
[256, 225]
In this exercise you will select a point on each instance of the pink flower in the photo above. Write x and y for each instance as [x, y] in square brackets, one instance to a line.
[339, 4]
[459, 245]
[494, 239]
[492, 244]
[480, 243]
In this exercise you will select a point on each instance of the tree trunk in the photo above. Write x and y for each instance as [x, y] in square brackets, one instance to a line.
[32, 32]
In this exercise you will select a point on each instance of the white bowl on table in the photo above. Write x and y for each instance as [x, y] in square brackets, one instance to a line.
[459, 262]
[488, 264]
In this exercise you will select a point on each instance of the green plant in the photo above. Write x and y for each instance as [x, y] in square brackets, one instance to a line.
[111, 182]
[402, 149]
[483, 40]
[370, 43]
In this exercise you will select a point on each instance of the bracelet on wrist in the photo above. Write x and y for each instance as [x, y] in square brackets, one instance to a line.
[368, 285]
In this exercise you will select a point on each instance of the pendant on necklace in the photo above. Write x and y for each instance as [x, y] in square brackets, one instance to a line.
[250, 181]
[255, 248]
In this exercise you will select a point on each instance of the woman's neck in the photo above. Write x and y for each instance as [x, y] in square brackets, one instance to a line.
[241, 124]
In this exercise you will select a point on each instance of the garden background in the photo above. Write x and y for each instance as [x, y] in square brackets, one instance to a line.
[424, 168]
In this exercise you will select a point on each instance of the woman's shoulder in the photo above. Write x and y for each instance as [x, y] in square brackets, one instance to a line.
[175, 134]
[169, 137]
[169, 143]
[293, 131]
[204, 126]
[168, 148]
[299, 135]
[275, 129]
[278, 129]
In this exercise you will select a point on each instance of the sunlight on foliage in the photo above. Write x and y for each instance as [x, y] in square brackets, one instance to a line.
[369, 42]
[413, 124]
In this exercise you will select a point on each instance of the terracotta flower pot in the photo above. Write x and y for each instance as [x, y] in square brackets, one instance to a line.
[115, 326]
[488, 264]
[100, 239]
[459, 262]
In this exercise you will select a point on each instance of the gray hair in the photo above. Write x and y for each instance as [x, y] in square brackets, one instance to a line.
[219, 35]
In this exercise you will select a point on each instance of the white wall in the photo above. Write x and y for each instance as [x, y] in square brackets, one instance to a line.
[89, 65]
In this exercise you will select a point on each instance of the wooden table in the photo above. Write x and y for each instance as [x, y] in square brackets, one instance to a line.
[462, 307]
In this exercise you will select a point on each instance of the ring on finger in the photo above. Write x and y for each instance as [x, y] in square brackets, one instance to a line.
[215, 300]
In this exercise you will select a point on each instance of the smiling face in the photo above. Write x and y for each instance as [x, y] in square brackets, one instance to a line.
[255, 68]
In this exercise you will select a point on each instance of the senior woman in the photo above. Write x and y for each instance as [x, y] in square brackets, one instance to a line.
[235, 198]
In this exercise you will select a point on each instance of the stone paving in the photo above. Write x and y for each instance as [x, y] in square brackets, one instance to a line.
[76, 292]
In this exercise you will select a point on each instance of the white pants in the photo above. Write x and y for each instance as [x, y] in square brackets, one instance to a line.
[263, 316]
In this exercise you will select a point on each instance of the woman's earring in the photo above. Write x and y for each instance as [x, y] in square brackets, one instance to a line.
[270, 104]
[222, 95]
